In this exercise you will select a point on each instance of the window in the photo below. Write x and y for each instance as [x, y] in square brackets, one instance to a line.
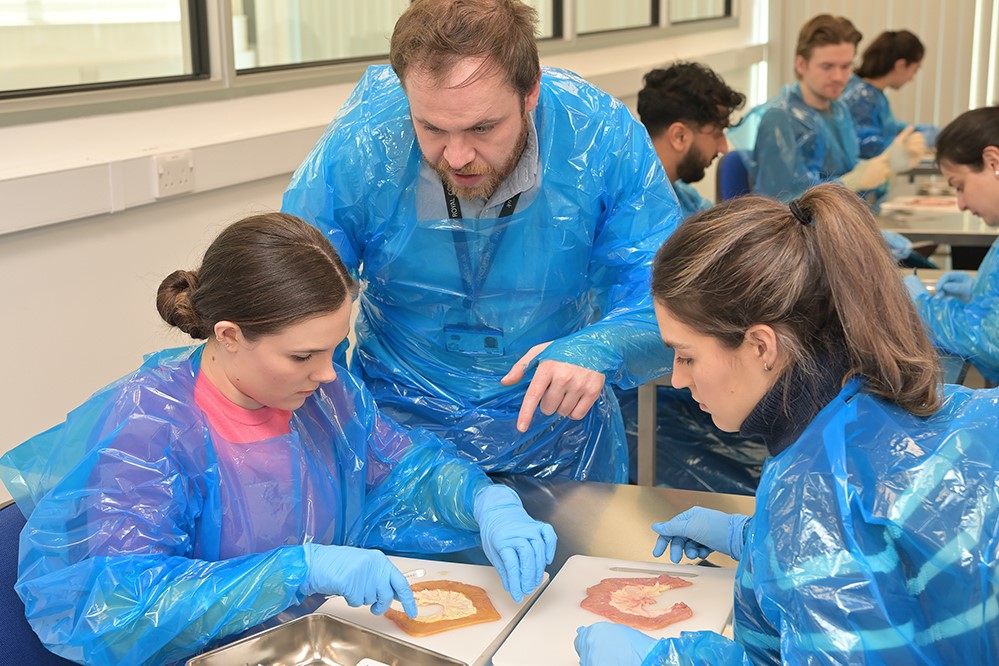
[278, 33]
[601, 16]
[48, 44]
[685, 11]
[275, 33]
[209, 49]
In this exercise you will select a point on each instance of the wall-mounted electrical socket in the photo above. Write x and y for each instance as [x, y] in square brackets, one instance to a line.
[173, 173]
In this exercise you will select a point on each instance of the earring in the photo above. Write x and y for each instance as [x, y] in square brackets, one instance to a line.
[766, 366]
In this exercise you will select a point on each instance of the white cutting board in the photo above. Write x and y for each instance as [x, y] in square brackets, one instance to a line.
[473, 644]
[544, 637]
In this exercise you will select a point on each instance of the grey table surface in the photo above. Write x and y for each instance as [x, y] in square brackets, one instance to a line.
[946, 225]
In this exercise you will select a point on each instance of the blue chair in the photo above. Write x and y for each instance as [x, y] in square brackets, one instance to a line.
[18, 643]
[733, 177]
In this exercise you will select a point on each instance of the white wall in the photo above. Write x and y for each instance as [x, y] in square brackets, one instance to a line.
[78, 307]
[79, 298]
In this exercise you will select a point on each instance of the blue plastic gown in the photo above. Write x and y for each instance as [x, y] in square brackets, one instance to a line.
[690, 200]
[969, 330]
[875, 541]
[572, 266]
[872, 116]
[795, 147]
[142, 545]
[691, 452]
[873, 119]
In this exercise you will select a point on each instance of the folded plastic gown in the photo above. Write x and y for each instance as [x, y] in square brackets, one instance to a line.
[794, 147]
[143, 545]
[572, 266]
[873, 119]
[691, 452]
[875, 541]
[690, 200]
[969, 330]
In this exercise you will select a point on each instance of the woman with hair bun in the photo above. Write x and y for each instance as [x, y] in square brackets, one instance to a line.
[891, 61]
[220, 484]
[875, 537]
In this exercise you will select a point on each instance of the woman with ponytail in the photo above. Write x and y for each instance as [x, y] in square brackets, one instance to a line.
[876, 532]
[220, 484]
[891, 61]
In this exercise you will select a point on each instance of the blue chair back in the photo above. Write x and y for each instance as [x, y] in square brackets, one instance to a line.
[733, 175]
[18, 643]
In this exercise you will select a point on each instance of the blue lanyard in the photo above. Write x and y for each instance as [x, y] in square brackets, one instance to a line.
[471, 283]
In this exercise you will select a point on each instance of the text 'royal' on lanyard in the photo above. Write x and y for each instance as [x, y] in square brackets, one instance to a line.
[472, 279]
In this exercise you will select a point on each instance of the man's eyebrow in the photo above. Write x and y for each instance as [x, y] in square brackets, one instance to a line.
[477, 123]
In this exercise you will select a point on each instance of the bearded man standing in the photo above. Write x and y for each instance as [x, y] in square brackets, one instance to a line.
[502, 218]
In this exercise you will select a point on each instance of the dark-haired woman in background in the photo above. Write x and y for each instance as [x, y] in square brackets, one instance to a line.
[963, 315]
[891, 61]
[219, 484]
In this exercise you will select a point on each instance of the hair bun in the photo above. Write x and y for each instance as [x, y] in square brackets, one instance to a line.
[173, 301]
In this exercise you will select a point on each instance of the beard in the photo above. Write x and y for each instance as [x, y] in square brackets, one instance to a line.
[691, 168]
[493, 177]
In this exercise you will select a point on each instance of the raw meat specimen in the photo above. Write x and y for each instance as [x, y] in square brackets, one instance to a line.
[461, 605]
[633, 601]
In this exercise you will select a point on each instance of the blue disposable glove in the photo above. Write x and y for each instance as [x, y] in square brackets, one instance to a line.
[360, 575]
[610, 644]
[899, 245]
[914, 286]
[517, 545]
[957, 284]
[698, 531]
[929, 133]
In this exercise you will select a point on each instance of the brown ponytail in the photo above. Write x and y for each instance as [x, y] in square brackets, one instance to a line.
[830, 282]
[888, 48]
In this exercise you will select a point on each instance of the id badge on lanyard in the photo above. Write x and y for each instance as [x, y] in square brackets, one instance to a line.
[474, 339]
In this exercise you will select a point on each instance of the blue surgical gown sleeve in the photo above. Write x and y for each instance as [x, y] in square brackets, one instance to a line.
[641, 212]
[872, 117]
[107, 568]
[423, 499]
[781, 172]
[696, 648]
[969, 330]
[875, 537]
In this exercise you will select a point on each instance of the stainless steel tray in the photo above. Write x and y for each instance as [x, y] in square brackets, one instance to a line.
[321, 640]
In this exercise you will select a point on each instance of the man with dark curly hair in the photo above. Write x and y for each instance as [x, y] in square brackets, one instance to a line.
[686, 109]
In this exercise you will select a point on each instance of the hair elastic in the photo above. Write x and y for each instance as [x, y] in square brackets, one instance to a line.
[799, 214]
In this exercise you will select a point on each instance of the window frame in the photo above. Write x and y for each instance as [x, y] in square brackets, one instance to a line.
[215, 76]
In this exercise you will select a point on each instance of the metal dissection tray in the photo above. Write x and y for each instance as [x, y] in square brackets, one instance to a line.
[321, 640]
